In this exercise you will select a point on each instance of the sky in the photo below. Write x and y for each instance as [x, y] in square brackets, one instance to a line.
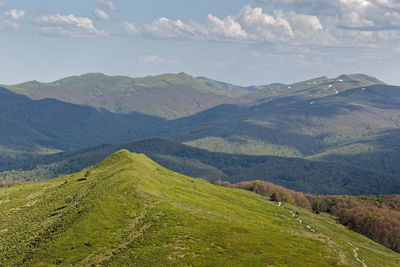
[244, 42]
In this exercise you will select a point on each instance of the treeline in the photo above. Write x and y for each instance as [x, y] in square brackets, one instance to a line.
[11, 183]
[377, 217]
[275, 192]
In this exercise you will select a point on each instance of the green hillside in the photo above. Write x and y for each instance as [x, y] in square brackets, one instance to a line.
[130, 211]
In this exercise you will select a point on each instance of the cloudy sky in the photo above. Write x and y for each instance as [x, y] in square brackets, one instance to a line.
[237, 41]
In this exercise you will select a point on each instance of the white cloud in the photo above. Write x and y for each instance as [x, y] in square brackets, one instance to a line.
[68, 25]
[9, 24]
[101, 14]
[2, 4]
[15, 14]
[228, 28]
[11, 18]
[357, 23]
[129, 28]
[153, 59]
[249, 25]
[107, 4]
[166, 28]
[348, 14]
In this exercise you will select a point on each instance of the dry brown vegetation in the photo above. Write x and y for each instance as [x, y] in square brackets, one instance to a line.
[276, 192]
[11, 183]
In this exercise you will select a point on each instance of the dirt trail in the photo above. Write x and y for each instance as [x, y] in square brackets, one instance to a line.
[294, 215]
[355, 251]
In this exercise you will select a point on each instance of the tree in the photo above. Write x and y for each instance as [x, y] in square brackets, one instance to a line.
[274, 197]
[317, 207]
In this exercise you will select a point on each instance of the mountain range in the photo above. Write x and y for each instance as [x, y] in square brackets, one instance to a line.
[172, 96]
[352, 120]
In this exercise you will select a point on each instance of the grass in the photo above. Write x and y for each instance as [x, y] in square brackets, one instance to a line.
[130, 210]
[245, 146]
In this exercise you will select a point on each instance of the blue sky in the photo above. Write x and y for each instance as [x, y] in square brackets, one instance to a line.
[237, 41]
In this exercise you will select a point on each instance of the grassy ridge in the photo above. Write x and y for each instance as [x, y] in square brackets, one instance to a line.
[130, 210]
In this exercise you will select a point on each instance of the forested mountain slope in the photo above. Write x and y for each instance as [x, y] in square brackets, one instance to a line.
[294, 173]
[34, 125]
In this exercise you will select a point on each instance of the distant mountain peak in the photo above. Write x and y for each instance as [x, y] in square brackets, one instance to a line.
[360, 77]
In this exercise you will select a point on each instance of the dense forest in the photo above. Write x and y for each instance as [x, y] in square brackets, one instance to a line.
[298, 174]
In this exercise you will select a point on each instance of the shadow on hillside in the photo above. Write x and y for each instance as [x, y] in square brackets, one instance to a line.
[383, 157]
[287, 119]
[27, 124]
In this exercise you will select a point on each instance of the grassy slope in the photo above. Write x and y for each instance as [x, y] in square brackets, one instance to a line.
[131, 210]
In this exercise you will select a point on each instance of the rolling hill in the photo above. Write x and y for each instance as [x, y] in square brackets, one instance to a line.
[130, 210]
[294, 173]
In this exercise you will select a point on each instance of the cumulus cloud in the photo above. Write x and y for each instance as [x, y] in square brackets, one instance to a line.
[153, 59]
[68, 25]
[227, 28]
[107, 4]
[101, 14]
[249, 25]
[349, 14]
[292, 22]
[11, 18]
[15, 14]
[129, 28]
[167, 28]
